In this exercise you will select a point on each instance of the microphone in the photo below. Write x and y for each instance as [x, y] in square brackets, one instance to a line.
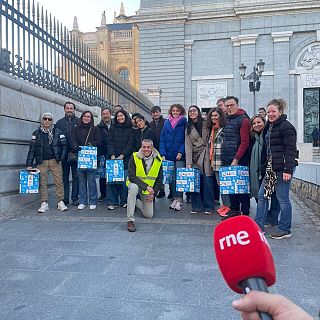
[244, 256]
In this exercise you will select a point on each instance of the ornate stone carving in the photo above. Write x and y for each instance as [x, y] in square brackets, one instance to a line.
[311, 57]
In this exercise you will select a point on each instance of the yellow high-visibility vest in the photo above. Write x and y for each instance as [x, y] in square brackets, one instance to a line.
[149, 178]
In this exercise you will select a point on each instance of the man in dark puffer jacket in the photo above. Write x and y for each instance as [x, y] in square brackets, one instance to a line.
[48, 148]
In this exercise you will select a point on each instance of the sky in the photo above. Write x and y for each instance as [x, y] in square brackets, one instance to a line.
[88, 12]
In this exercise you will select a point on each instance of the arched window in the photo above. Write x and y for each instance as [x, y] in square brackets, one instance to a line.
[124, 75]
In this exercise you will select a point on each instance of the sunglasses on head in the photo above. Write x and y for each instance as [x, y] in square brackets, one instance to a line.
[46, 119]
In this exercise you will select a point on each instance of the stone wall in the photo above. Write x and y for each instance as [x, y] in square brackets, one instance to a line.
[306, 184]
[21, 106]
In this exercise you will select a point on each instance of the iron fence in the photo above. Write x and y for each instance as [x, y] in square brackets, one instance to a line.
[36, 47]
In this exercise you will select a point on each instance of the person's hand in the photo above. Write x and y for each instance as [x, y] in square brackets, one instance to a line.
[279, 307]
[150, 197]
[179, 156]
[286, 177]
[188, 166]
[150, 190]
[120, 157]
[113, 157]
[163, 158]
[235, 162]
[29, 168]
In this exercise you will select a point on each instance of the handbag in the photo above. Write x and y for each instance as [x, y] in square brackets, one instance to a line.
[72, 156]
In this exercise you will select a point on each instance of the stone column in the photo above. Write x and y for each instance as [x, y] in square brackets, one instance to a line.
[281, 56]
[188, 99]
[154, 95]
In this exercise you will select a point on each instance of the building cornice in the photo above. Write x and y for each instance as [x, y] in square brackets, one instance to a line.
[281, 36]
[243, 7]
[244, 39]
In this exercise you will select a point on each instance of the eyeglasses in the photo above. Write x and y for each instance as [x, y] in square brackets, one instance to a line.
[47, 119]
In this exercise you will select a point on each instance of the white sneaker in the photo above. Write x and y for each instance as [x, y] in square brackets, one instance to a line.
[43, 208]
[173, 204]
[92, 207]
[111, 207]
[62, 206]
[178, 206]
[81, 206]
[124, 206]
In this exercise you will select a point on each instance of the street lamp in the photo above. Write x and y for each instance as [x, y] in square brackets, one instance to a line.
[253, 77]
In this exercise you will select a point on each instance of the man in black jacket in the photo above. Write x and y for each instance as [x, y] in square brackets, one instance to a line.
[144, 178]
[66, 124]
[156, 125]
[48, 149]
[104, 127]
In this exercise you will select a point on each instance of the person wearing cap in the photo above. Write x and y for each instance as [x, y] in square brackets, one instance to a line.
[144, 178]
[143, 131]
[48, 147]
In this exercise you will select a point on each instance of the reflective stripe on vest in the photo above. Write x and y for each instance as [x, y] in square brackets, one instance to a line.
[140, 173]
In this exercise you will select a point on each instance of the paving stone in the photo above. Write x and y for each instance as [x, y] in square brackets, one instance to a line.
[83, 264]
[139, 266]
[37, 307]
[71, 247]
[98, 286]
[170, 290]
[29, 282]
[27, 261]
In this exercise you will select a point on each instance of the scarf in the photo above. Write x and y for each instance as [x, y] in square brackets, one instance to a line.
[214, 131]
[49, 132]
[255, 164]
[270, 178]
[174, 121]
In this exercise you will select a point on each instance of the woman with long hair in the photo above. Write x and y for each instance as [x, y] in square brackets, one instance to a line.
[142, 132]
[215, 123]
[257, 124]
[86, 134]
[120, 147]
[279, 158]
[172, 146]
[197, 156]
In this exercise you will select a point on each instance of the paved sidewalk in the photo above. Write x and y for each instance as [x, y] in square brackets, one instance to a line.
[85, 265]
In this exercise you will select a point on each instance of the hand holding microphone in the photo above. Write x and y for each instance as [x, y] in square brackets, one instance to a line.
[279, 307]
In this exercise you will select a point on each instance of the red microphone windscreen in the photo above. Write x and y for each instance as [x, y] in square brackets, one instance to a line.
[242, 252]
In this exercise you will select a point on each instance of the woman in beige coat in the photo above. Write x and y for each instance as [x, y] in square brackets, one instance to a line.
[197, 156]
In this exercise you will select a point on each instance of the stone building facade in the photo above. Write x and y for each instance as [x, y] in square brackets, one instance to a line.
[117, 44]
[192, 49]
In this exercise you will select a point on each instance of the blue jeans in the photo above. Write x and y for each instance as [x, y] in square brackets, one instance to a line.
[274, 212]
[66, 168]
[282, 192]
[118, 192]
[204, 199]
[87, 182]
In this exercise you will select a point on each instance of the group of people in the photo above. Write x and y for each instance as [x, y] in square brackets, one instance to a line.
[227, 136]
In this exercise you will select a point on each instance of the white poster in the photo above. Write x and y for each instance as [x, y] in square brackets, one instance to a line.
[209, 93]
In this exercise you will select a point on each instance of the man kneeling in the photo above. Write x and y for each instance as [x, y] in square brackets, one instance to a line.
[144, 178]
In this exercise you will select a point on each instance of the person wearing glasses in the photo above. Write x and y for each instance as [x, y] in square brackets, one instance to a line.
[236, 151]
[48, 147]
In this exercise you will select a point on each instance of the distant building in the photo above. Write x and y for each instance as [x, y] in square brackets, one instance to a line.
[192, 49]
[117, 44]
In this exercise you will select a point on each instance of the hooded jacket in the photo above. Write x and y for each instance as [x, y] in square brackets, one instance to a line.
[120, 139]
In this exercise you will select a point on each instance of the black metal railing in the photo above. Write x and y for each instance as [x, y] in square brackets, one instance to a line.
[37, 48]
